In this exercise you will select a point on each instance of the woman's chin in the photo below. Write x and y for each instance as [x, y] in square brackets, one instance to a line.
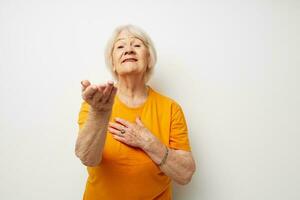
[129, 65]
[130, 72]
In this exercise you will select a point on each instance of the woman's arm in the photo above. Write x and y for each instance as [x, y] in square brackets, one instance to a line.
[91, 138]
[179, 165]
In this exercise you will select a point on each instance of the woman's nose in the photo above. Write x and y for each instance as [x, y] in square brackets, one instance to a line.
[129, 50]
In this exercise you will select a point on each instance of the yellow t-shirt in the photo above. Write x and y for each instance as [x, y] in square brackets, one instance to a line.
[127, 173]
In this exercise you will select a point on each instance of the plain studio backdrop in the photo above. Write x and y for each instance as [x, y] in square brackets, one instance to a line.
[233, 66]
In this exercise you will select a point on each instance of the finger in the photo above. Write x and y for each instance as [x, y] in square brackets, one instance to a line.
[89, 92]
[117, 126]
[115, 132]
[100, 90]
[139, 121]
[112, 94]
[110, 82]
[122, 121]
[101, 87]
[97, 96]
[107, 91]
[84, 84]
[106, 98]
[99, 93]
[119, 138]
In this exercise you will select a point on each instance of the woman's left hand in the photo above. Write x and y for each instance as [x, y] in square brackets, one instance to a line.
[132, 134]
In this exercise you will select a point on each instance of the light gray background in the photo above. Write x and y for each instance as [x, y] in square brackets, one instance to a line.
[232, 65]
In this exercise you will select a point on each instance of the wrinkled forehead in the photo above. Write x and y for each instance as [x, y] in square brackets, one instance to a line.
[126, 38]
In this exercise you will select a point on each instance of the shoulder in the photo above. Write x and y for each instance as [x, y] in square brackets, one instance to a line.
[165, 100]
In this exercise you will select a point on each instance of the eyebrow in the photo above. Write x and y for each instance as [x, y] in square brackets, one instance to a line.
[125, 38]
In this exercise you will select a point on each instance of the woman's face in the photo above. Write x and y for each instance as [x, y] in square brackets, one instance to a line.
[130, 55]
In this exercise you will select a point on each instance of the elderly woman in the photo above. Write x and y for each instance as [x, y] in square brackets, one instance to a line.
[132, 139]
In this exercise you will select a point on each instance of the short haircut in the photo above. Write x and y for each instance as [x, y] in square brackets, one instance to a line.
[140, 34]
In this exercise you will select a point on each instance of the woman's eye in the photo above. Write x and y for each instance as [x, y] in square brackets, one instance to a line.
[120, 47]
[137, 45]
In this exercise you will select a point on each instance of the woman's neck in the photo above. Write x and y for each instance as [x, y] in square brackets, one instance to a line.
[132, 90]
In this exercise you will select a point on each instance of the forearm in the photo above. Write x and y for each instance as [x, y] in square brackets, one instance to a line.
[91, 138]
[177, 166]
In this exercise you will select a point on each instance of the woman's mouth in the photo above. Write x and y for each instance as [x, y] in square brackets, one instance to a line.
[129, 60]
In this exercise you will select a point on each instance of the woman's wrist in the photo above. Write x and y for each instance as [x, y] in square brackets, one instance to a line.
[95, 114]
[157, 151]
[164, 159]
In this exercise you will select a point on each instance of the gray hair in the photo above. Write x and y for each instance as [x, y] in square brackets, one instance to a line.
[140, 34]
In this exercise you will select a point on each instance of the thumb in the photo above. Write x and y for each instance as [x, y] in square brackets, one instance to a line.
[139, 121]
[84, 84]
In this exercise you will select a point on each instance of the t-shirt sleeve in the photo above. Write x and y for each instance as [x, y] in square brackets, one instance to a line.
[83, 114]
[178, 131]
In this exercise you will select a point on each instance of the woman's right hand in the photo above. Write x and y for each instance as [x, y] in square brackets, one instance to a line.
[99, 97]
